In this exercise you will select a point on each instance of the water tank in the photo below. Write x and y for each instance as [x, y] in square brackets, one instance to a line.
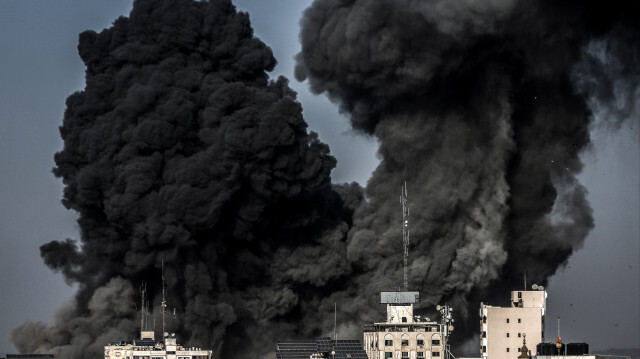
[577, 349]
[549, 349]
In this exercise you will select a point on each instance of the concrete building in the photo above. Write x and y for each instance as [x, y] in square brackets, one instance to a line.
[147, 348]
[502, 329]
[405, 335]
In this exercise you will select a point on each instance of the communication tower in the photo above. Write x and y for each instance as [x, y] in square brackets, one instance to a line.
[405, 233]
[164, 304]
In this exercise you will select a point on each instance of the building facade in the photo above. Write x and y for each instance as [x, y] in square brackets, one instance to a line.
[147, 348]
[502, 329]
[404, 335]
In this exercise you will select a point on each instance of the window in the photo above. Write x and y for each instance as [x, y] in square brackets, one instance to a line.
[435, 342]
[484, 319]
[518, 320]
[388, 355]
[388, 343]
[436, 354]
[507, 320]
[507, 350]
[420, 341]
[405, 342]
[507, 335]
[405, 354]
[519, 335]
[519, 295]
[404, 319]
[420, 354]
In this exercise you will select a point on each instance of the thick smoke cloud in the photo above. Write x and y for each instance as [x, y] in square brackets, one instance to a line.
[483, 108]
[181, 150]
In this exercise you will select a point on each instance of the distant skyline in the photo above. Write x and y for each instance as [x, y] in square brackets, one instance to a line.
[596, 295]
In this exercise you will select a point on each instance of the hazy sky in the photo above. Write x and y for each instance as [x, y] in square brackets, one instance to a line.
[597, 295]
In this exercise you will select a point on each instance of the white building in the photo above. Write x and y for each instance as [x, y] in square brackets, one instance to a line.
[404, 335]
[147, 348]
[502, 329]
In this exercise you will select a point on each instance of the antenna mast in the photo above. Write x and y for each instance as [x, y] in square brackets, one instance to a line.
[164, 303]
[143, 290]
[405, 232]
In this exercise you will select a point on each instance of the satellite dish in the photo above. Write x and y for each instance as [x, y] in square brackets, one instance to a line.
[540, 287]
[534, 287]
[450, 328]
[166, 334]
[438, 307]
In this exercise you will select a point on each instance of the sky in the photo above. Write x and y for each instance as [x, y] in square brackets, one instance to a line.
[596, 295]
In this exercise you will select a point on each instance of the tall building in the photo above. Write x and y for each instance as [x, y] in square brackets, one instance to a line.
[502, 329]
[405, 335]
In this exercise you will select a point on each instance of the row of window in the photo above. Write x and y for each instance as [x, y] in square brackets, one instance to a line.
[518, 349]
[405, 342]
[484, 320]
[406, 354]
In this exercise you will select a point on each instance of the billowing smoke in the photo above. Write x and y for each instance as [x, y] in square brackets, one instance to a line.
[482, 107]
[181, 150]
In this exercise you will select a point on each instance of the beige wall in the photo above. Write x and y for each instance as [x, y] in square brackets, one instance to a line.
[374, 344]
[506, 328]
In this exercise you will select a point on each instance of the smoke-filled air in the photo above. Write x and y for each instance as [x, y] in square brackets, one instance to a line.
[182, 150]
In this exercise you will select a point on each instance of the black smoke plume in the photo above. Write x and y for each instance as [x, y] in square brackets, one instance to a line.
[482, 107]
[181, 150]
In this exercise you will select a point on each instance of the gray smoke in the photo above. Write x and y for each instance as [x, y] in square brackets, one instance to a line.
[181, 150]
[482, 107]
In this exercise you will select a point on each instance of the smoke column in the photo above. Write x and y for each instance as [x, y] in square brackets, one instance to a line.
[482, 107]
[180, 149]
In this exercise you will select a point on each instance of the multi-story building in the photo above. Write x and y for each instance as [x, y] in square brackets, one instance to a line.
[502, 329]
[404, 335]
[147, 348]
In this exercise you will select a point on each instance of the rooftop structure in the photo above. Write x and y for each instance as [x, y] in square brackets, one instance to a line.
[320, 348]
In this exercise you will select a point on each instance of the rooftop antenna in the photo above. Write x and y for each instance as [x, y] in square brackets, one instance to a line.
[335, 320]
[164, 303]
[143, 289]
[405, 232]
[525, 279]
